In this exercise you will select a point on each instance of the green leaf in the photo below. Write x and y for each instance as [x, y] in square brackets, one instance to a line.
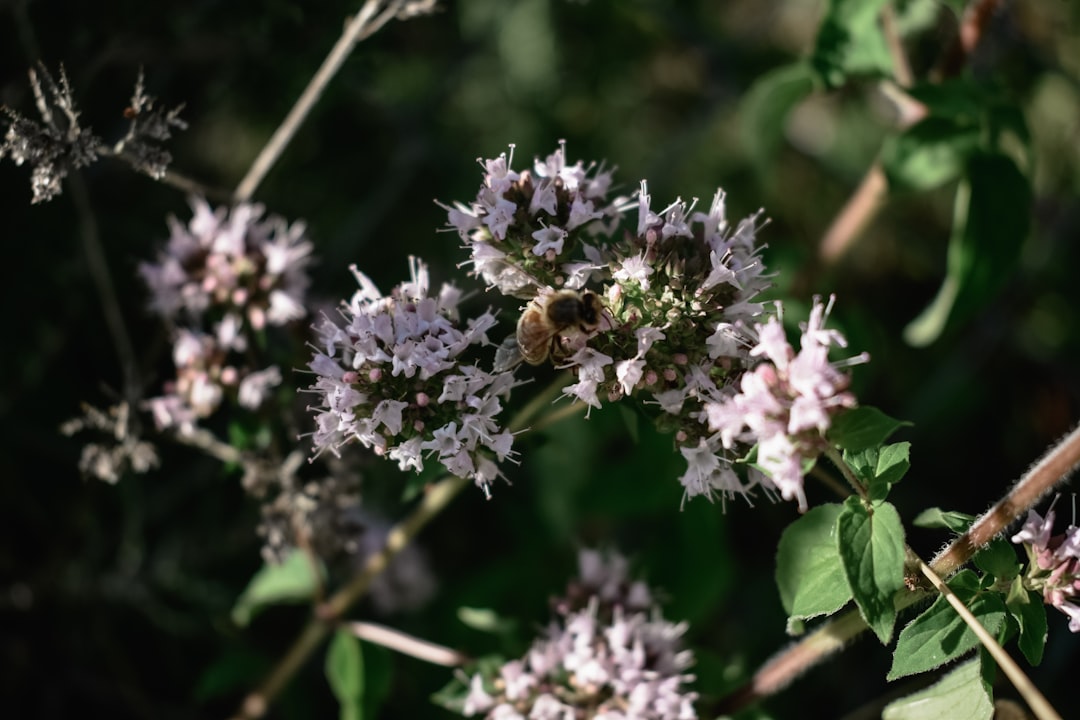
[939, 635]
[863, 427]
[893, 462]
[960, 100]
[1027, 608]
[871, 545]
[293, 581]
[809, 574]
[916, 16]
[345, 672]
[850, 42]
[998, 558]
[880, 468]
[957, 6]
[486, 620]
[929, 154]
[765, 109]
[956, 521]
[231, 673]
[990, 223]
[959, 695]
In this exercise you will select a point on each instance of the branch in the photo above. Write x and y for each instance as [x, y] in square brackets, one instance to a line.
[327, 615]
[776, 674]
[361, 27]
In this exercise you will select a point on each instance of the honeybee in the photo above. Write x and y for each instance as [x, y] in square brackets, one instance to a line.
[549, 319]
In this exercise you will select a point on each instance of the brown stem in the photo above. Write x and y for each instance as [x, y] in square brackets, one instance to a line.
[1054, 467]
[858, 211]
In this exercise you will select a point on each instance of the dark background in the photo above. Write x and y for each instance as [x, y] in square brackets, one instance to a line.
[116, 599]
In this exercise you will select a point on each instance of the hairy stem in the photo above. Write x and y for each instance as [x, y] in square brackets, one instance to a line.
[838, 460]
[1043, 476]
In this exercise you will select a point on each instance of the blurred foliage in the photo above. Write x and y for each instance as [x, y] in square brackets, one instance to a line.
[117, 598]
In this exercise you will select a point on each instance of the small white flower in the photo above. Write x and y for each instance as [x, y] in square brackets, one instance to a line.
[255, 387]
[549, 238]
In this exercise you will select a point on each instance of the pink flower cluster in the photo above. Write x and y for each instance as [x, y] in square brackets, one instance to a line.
[1055, 563]
[222, 277]
[229, 262]
[785, 404]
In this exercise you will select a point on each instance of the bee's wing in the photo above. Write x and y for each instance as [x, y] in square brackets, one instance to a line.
[508, 355]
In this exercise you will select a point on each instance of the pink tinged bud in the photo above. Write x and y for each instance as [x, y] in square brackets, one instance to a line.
[418, 426]
[680, 358]
[670, 374]
[239, 296]
[767, 374]
[650, 377]
[422, 399]
[375, 374]
[257, 317]
[680, 437]
[229, 375]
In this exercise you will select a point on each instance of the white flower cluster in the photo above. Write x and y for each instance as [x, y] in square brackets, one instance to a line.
[523, 226]
[615, 658]
[230, 271]
[393, 378]
[685, 285]
[679, 328]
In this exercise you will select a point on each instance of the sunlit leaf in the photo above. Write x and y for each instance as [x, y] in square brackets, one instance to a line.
[990, 223]
[293, 581]
[850, 42]
[809, 574]
[938, 635]
[863, 427]
[765, 109]
[998, 558]
[931, 153]
[1029, 611]
[871, 544]
[880, 468]
[960, 695]
[344, 669]
[958, 522]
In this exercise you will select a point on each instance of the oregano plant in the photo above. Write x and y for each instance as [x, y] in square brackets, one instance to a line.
[504, 453]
